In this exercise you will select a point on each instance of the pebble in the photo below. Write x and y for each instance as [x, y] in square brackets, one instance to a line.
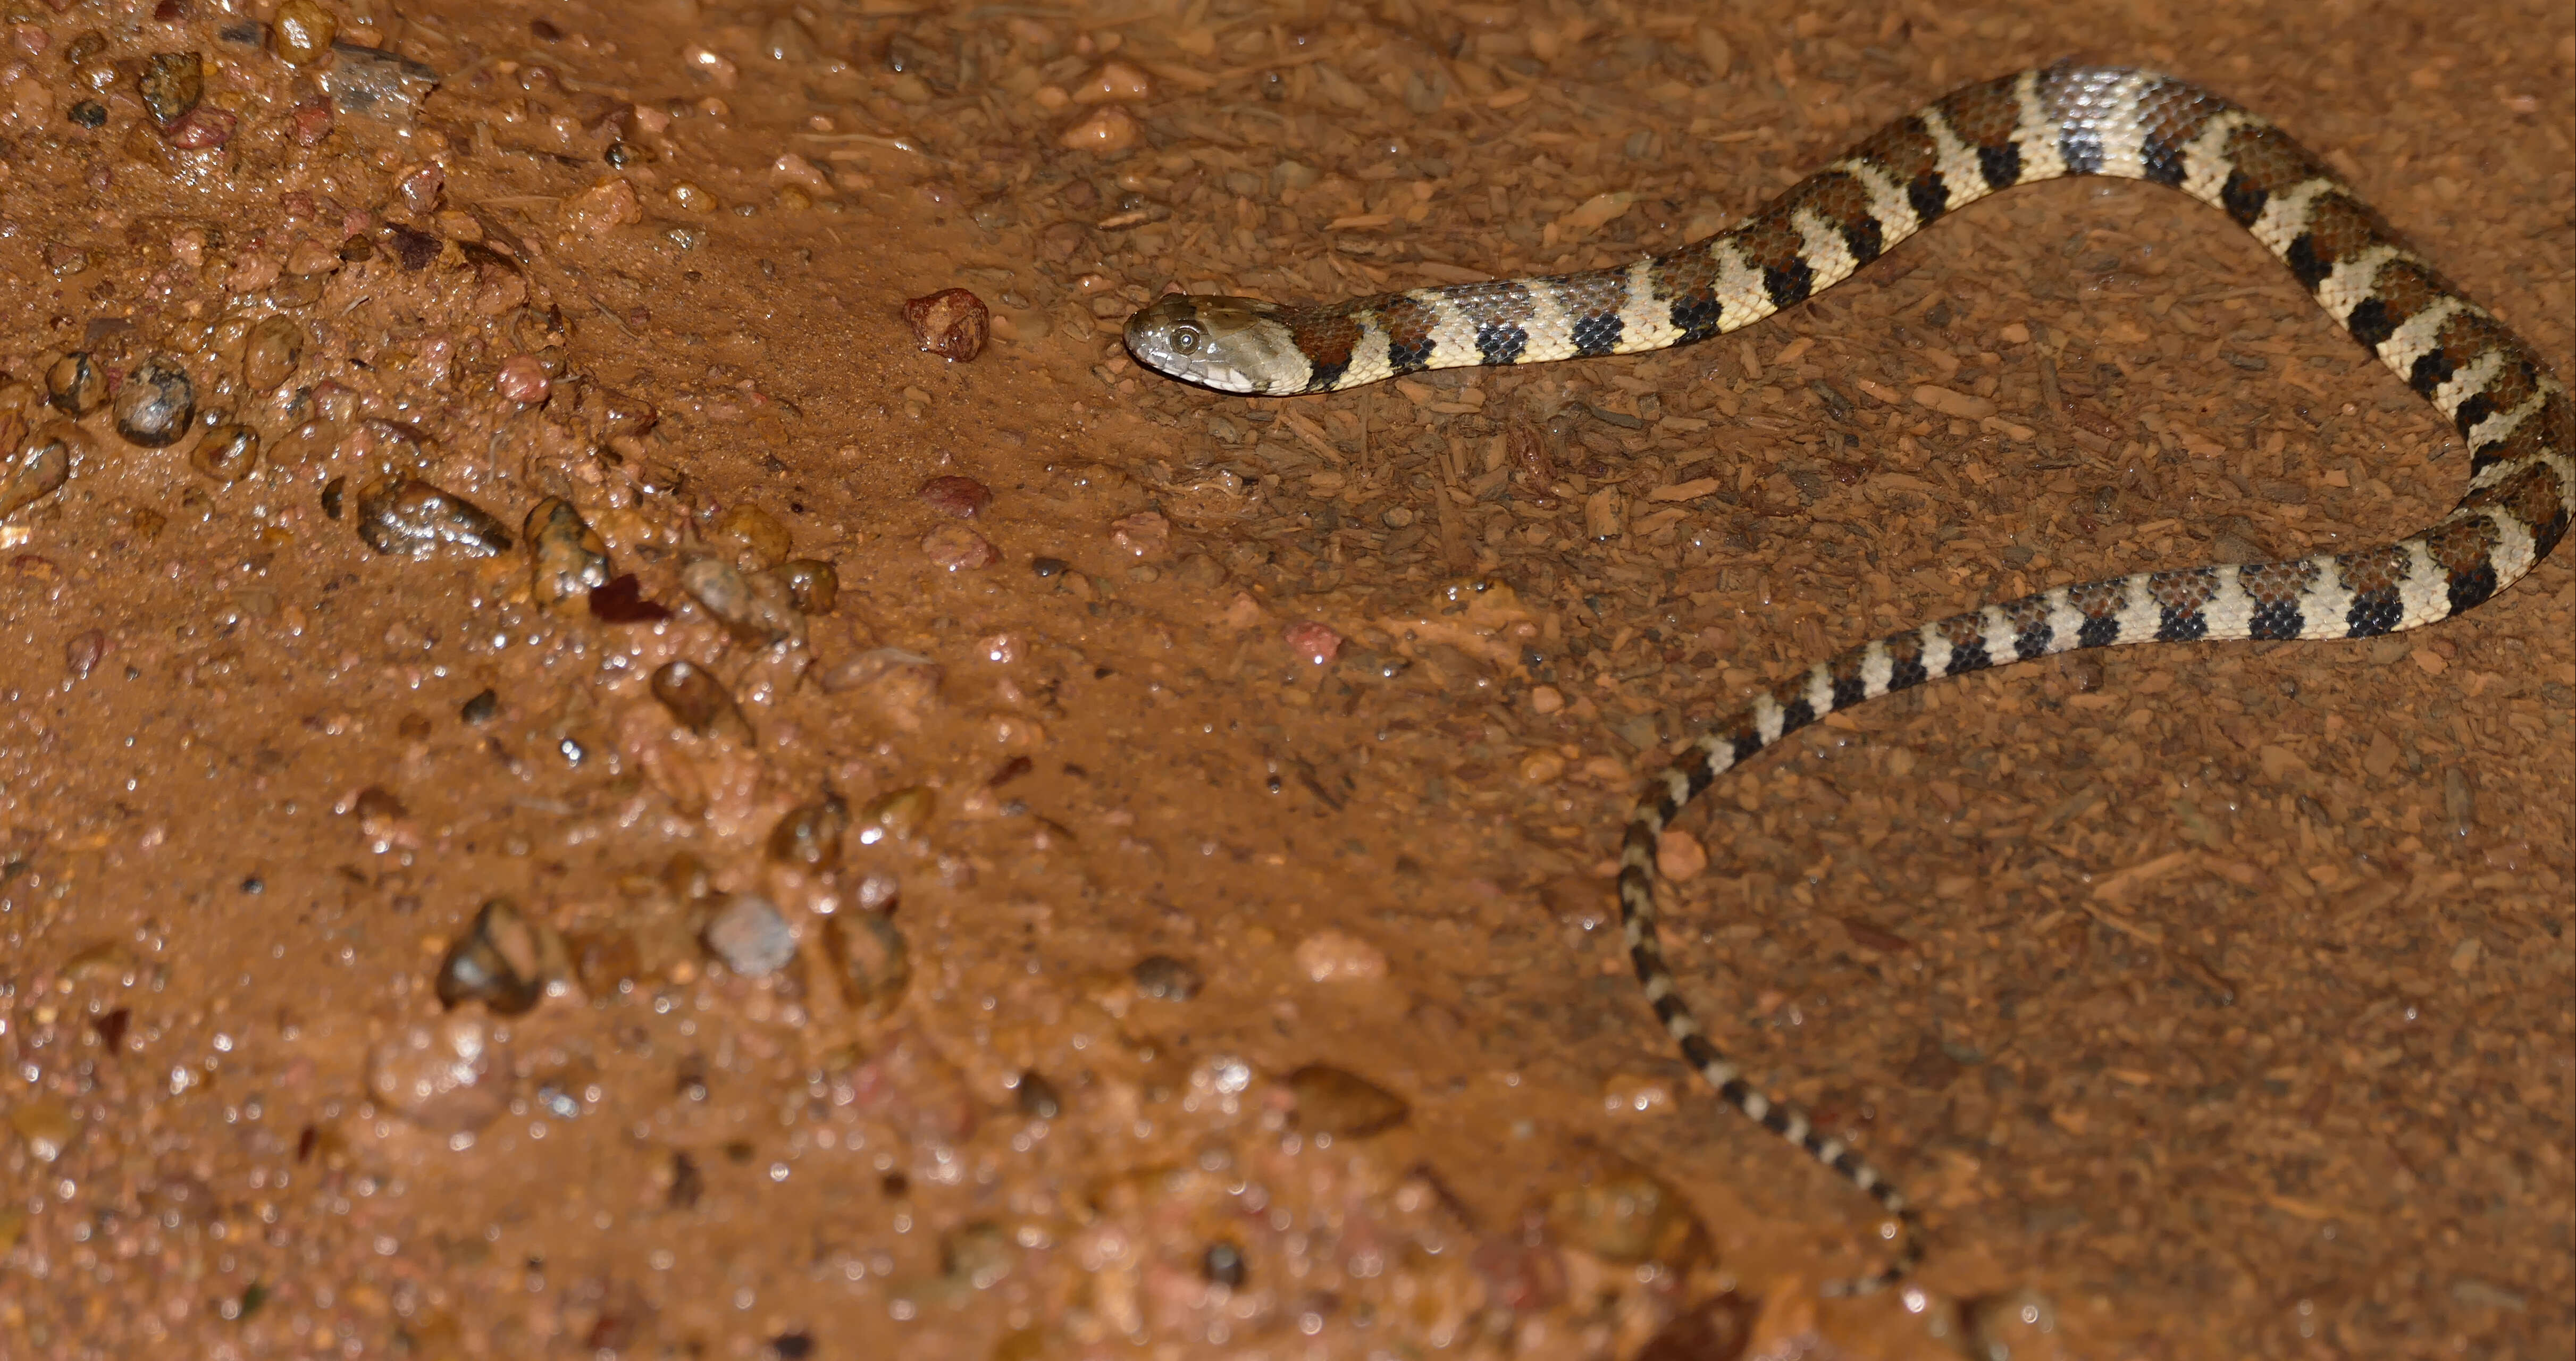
[497, 962]
[523, 379]
[2459, 797]
[1339, 957]
[952, 323]
[1107, 131]
[1166, 978]
[963, 497]
[202, 128]
[977, 1255]
[408, 516]
[448, 1076]
[898, 815]
[699, 701]
[301, 32]
[1312, 641]
[871, 961]
[809, 837]
[1719, 1326]
[1542, 767]
[957, 549]
[480, 709]
[1679, 856]
[813, 585]
[1049, 567]
[754, 533]
[75, 384]
[421, 187]
[605, 963]
[1038, 1098]
[171, 84]
[377, 83]
[602, 208]
[39, 466]
[45, 1124]
[83, 652]
[1343, 1105]
[1626, 1216]
[227, 453]
[750, 936]
[753, 608]
[902, 687]
[1144, 534]
[567, 560]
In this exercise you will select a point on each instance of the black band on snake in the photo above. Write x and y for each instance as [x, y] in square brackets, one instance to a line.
[2507, 405]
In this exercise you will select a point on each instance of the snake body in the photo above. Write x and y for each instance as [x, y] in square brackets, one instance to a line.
[2506, 403]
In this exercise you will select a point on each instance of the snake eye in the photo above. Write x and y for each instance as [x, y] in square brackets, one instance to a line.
[1185, 339]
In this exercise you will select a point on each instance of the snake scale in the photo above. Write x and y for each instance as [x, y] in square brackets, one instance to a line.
[2065, 120]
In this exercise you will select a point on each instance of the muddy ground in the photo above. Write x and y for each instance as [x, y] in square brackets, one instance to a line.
[593, 799]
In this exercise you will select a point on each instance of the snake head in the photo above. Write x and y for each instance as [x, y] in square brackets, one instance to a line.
[1229, 344]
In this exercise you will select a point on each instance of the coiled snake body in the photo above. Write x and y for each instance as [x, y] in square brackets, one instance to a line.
[2065, 120]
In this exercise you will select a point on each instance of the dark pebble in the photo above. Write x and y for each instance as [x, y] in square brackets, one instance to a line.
[1718, 1327]
[496, 962]
[1038, 1098]
[408, 516]
[699, 701]
[332, 492]
[156, 402]
[963, 497]
[38, 467]
[271, 353]
[1049, 567]
[89, 113]
[226, 453]
[75, 384]
[787, 1346]
[480, 708]
[567, 558]
[622, 601]
[750, 937]
[171, 84]
[754, 608]
[412, 248]
[813, 586]
[809, 837]
[1167, 978]
[1330, 1101]
[951, 323]
[1223, 1265]
[871, 961]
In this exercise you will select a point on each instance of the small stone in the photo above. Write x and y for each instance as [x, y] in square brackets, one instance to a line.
[1624, 1215]
[750, 937]
[83, 653]
[756, 533]
[448, 1076]
[699, 701]
[40, 463]
[952, 323]
[606, 963]
[311, 121]
[1107, 131]
[1721, 1326]
[88, 113]
[753, 608]
[498, 962]
[334, 493]
[1166, 978]
[75, 384]
[226, 453]
[202, 128]
[45, 1124]
[871, 962]
[898, 815]
[376, 82]
[902, 687]
[421, 187]
[963, 497]
[1679, 856]
[1546, 699]
[1343, 1105]
[602, 208]
[1144, 534]
[301, 32]
[1313, 642]
[567, 560]
[523, 379]
[976, 1256]
[809, 837]
[2459, 797]
[271, 352]
[171, 84]
[1223, 1264]
[414, 518]
[312, 256]
[1339, 957]
[480, 709]
[957, 549]
[1038, 1098]
[813, 585]
[1542, 767]
[1049, 567]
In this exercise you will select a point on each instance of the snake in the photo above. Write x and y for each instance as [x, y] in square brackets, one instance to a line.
[2507, 404]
